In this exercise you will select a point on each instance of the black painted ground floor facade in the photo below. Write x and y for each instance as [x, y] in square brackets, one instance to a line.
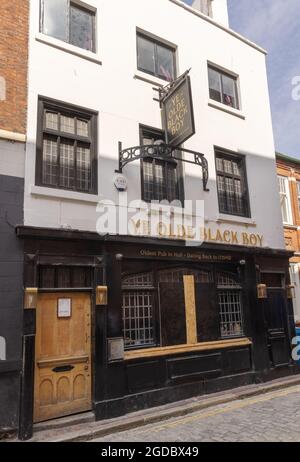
[176, 322]
[11, 294]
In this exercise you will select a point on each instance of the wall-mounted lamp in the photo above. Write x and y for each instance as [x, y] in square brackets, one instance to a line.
[101, 295]
[290, 291]
[262, 291]
[30, 298]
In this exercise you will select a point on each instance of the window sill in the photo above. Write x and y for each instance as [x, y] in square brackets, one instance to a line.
[236, 220]
[227, 109]
[290, 226]
[178, 349]
[60, 45]
[43, 191]
[150, 79]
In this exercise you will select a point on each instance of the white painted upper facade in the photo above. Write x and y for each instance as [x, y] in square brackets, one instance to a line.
[107, 81]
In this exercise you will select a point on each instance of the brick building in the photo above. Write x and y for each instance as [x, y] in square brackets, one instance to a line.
[13, 107]
[288, 170]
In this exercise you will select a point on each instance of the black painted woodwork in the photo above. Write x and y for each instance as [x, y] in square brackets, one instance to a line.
[172, 313]
[275, 311]
[11, 296]
[207, 312]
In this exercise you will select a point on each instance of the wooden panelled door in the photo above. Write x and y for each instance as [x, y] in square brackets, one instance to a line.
[63, 355]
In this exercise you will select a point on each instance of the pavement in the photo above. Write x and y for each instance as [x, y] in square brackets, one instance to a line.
[259, 412]
[273, 417]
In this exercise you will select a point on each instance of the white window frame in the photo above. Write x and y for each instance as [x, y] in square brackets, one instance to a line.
[287, 197]
[298, 194]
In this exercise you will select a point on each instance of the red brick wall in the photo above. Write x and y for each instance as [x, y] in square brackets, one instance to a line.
[14, 18]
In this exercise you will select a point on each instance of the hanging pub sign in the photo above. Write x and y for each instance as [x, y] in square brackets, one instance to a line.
[178, 112]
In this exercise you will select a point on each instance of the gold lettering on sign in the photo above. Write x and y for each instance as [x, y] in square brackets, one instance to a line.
[180, 231]
[177, 113]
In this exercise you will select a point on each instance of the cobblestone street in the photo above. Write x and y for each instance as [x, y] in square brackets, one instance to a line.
[270, 417]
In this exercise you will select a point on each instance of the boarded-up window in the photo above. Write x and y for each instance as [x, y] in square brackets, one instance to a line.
[65, 277]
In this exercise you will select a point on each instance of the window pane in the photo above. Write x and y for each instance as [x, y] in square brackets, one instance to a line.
[160, 182]
[148, 181]
[50, 162]
[51, 120]
[227, 166]
[214, 85]
[284, 208]
[222, 194]
[165, 63]
[239, 205]
[81, 28]
[55, 20]
[172, 183]
[83, 168]
[82, 128]
[67, 164]
[236, 168]
[67, 124]
[229, 94]
[283, 189]
[146, 55]
[220, 166]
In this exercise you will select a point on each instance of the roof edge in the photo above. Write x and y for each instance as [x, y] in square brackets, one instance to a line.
[220, 26]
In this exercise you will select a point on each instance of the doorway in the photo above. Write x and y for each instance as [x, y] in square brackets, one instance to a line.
[62, 355]
[275, 312]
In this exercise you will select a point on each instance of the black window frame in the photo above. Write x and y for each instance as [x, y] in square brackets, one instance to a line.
[80, 6]
[180, 181]
[235, 78]
[47, 104]
[234, 157]
[156, 42]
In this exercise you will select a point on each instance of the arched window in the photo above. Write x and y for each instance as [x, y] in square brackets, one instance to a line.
[176, 275]
[230, 305]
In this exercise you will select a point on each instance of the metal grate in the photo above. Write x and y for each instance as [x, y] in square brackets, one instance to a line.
[230, 306]
[138, 307]
[138, 318]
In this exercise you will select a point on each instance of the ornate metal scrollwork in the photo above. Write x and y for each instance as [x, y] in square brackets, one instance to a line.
[166, 152]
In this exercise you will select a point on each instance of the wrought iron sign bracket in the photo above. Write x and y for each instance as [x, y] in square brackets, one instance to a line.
[165, 152]
[164, 91]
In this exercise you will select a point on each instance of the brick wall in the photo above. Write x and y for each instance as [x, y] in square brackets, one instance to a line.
[14, 17]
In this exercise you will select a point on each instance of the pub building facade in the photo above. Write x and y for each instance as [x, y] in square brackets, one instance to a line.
[288, 171]
[121, 111]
